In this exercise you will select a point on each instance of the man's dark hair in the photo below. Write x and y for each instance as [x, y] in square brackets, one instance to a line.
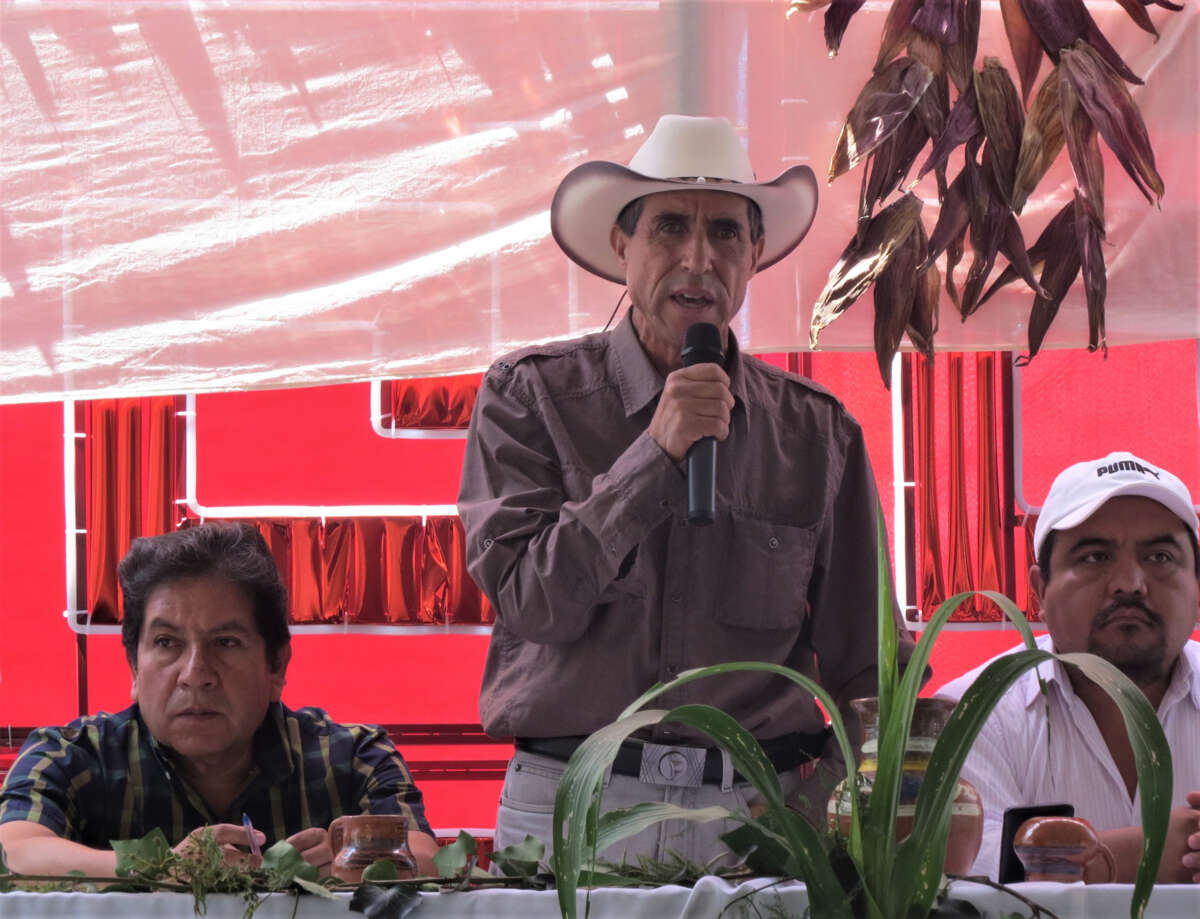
[1043, 559]
[631, 213]
[235, 552]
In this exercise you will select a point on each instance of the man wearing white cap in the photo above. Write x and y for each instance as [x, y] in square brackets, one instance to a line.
[1117, 575]
[575, 501]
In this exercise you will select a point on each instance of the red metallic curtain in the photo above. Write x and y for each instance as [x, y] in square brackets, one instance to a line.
[438, 402]
[130, 455]
[965, 467]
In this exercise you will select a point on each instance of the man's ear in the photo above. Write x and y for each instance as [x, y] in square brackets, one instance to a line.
[1038, 584]
[133, 686]
[618, 240]
[279, 672]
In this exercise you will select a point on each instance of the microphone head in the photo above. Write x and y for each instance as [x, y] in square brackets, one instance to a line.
[702, 345]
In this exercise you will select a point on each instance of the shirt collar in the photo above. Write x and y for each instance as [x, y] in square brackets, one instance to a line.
[640, 382]
[1185, 678]
[270, 754]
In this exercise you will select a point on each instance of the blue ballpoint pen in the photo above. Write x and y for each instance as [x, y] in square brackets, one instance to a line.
[254, 849]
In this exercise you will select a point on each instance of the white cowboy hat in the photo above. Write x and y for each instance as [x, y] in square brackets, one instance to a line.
[681, 152]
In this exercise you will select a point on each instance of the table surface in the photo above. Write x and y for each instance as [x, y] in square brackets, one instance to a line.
[706, 900]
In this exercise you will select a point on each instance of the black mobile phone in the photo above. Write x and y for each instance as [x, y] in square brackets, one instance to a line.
[1011, 869]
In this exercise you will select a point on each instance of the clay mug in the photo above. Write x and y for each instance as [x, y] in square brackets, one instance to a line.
[360, 839]
[1062, 849]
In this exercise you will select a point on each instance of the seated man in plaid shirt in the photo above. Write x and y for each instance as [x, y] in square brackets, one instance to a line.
[207, 739]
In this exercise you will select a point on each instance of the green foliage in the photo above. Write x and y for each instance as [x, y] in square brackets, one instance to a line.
[521, 859]
[452, 859]
[868, 873]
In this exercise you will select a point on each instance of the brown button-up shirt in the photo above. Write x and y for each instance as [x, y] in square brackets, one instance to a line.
[575, 522]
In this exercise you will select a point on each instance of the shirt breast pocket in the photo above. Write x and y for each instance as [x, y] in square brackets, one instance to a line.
[764, 581]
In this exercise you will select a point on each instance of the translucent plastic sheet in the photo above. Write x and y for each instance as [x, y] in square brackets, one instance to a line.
[214, 195]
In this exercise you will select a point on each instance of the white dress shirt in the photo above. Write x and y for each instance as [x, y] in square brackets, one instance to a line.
[1019, 759]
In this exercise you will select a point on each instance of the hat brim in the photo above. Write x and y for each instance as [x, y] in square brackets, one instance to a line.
[590, 197]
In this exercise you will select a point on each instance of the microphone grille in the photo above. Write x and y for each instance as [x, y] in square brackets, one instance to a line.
[702, 345]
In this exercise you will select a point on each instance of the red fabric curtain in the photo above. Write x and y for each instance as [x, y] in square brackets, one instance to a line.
[990, 525]
[959, 577]
[438, 402]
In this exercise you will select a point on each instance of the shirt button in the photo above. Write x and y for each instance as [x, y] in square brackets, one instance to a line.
[773, 542]
[505, 365]
[487, 543]
[675, 598]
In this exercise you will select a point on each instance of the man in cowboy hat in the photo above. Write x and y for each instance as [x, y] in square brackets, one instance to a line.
[574, 497]
[1117, 575]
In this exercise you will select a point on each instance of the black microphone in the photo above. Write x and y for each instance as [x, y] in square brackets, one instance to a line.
[702, 345]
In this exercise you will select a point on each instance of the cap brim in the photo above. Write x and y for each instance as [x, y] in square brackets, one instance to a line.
[1155, 492]
[590, 197]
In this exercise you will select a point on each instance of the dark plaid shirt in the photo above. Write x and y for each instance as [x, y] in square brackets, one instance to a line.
[104, 777]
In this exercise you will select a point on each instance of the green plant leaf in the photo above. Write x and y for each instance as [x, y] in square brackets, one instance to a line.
[380, 870]
[893, 741]
[577, 799]
[284, 863]
[624, 822]
[135, 855]
[451, 859]
[521, 859]
[763, 852]
[313, 887]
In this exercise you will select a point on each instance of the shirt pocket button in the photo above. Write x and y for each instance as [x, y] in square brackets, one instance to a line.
[773, 542]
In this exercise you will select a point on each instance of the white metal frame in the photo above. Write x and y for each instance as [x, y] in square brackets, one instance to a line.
[191, 501]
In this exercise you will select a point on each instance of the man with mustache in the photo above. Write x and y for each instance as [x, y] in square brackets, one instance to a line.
[575, 501]
[1117, 575]
[207, 739]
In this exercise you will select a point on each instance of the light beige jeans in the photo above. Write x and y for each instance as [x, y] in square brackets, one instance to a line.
[527, 808]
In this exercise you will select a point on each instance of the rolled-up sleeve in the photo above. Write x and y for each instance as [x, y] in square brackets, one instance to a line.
[388, 786]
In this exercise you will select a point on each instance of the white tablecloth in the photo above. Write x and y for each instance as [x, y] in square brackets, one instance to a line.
[706, 900]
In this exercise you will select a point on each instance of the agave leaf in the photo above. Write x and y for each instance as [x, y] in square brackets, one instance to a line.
[1003, 121]
[1041, 140]
[615, 825]
[1151, 754]
[884, 103]
[1138, 14]
[917, 869]
[1114, 113]
[765, 853]
[863, 260]
[1058, 24]
[1083, 147]
[939, 20]
[962, 126]
[894, 292]
[837, 18]
[960, 53]
[1026, 49]
[897, 31]
[1091, 260]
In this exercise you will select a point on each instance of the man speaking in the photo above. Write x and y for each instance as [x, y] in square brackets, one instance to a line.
[575, 501]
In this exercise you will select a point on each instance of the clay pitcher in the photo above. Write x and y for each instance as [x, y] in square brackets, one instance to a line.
[1062, 849]
[358, 840]
[966, 810]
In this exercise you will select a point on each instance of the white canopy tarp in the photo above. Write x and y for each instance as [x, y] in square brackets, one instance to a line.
[225, 194]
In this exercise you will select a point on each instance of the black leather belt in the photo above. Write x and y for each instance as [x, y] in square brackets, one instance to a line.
[785, 752]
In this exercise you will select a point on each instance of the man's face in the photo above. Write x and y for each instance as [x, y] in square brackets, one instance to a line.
[688, 261]
[1123, 585]
[202, 678]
